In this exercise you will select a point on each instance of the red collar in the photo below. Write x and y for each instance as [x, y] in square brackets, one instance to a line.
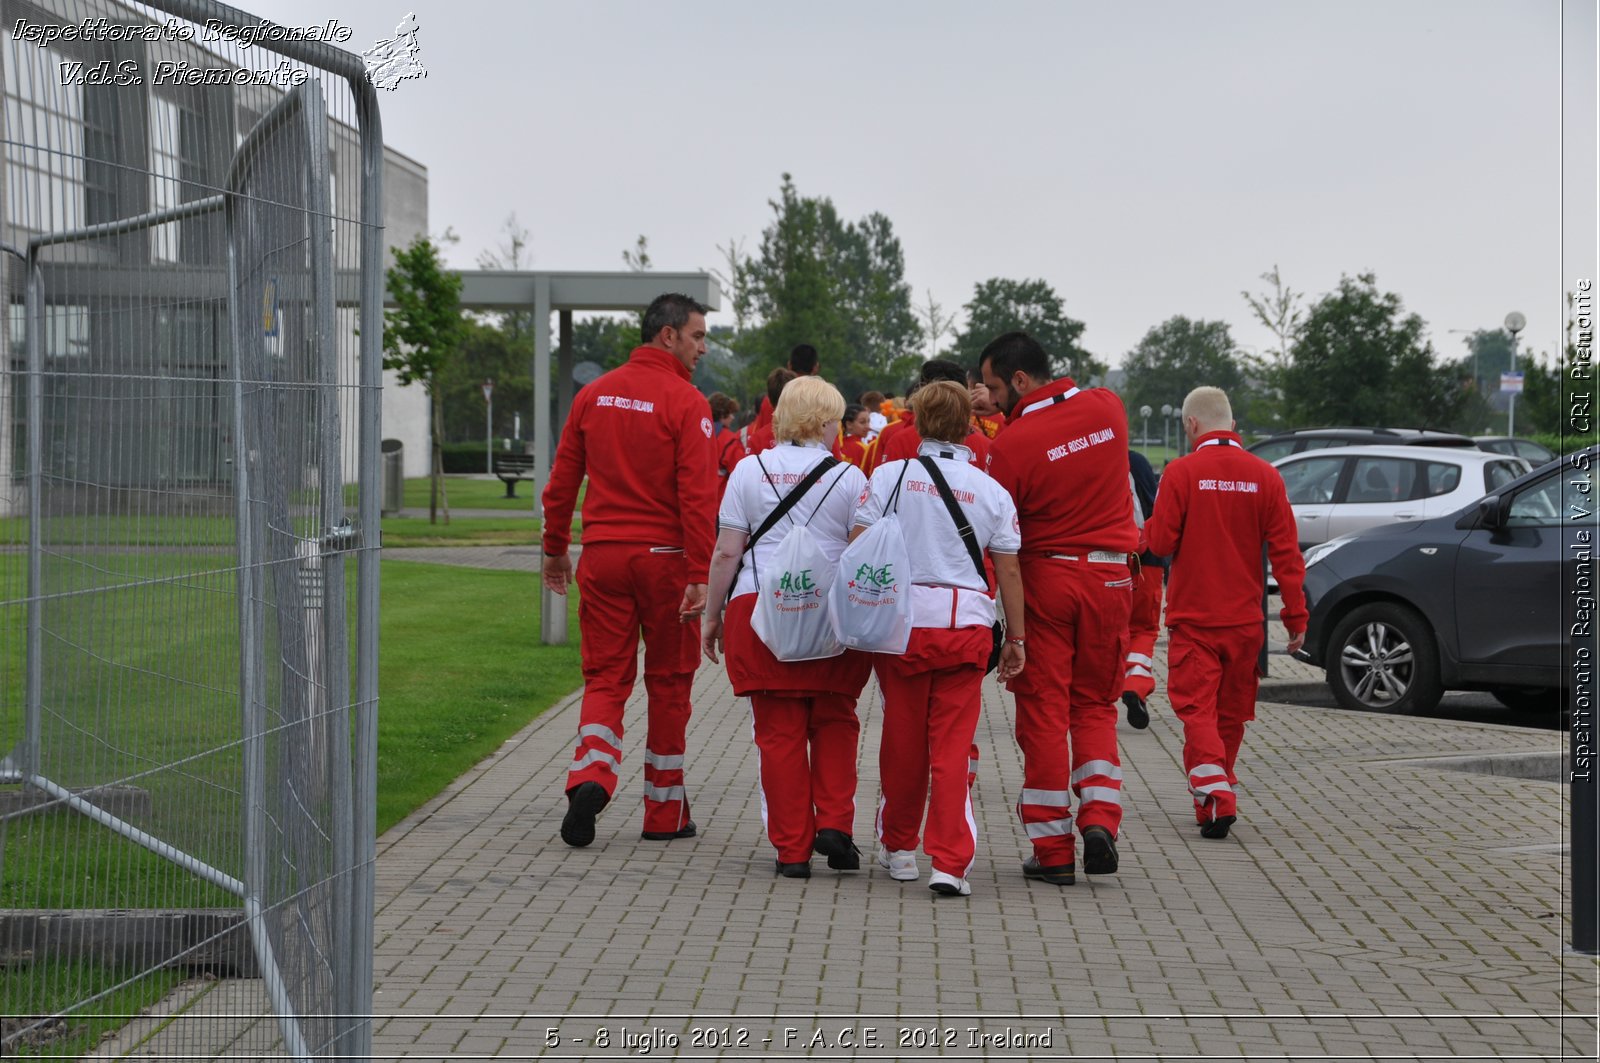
[656, 358]
[1044, 394]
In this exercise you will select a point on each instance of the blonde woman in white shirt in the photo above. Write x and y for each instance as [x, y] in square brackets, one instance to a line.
[804, 712]
[932, 694]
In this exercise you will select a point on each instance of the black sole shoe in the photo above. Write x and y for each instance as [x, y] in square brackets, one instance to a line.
[1099, 852]
[1056, 875]
[802, 870]
[688, 830]
[1138, 715]
[836, 845]
[584, 802]
[1217, 828]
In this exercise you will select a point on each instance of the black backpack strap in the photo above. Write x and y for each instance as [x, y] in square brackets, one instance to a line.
[786, 503]
[964, 526]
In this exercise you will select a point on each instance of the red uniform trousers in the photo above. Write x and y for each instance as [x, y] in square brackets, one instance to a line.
[1211, 682]
[1144, 625]
[623, 589]
[803, 714]
[1077, 615]
[932, 697]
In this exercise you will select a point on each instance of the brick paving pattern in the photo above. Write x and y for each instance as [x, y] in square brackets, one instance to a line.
[1364, 906]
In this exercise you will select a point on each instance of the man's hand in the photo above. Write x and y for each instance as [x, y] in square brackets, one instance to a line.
[1012, 660]
[693, 604]
[1297, 639]
[980, 401]
[711, 637]
[557, 571]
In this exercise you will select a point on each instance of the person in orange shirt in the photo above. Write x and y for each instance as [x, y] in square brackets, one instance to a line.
[851, 443]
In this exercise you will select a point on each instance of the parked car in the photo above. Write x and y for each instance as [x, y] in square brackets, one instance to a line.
[1536, 453]
[1337, 492]
[1470, 600]
[1303, 439]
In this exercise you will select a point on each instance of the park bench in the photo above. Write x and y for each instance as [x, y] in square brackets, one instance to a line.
[511, 468]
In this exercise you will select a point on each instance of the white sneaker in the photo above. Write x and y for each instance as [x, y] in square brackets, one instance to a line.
[902, 863]
[949, 885]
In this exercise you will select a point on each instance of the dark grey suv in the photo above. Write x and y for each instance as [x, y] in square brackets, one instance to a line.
[1466, 601]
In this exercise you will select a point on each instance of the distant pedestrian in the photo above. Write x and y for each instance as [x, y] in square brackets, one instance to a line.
[1144, 623]
[641, 434]
[803, 361]
[1217, 507]
[803, 712]
[851, 443]
[758, 436]
[724, 408]
[933, 692]
[1064, 457]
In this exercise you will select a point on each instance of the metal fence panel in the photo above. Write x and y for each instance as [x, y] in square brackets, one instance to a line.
[188, 510]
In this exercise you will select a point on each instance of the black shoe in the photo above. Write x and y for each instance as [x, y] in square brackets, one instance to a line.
[1138, 715]
[836, 845]
[1217, 828]
[1057, 875]
[1099, 851]
[584, 802]
[686, 831]
[800, 870]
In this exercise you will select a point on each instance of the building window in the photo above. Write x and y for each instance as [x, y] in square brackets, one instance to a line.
[44, 139]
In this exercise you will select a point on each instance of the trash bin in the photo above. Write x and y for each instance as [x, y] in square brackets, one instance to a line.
[394, 476]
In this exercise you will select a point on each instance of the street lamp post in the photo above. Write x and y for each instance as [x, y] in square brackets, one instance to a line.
[488, 431]
[1166, 426]
[1144, 439]
[1515, 323]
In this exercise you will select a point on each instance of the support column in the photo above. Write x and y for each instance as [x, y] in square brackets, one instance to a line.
[552, 606]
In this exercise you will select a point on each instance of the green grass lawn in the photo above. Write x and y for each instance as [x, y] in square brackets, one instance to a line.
[489, 531]
[26, 993]
[469, 493]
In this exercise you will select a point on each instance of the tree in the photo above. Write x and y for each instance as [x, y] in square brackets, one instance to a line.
[421, 334]
[637, 258]
[1000, 305]
[1279, 311]
[1361, 360]
[1179, 355]
[489, 351]
[935, 324]
[839, 286]
[513, 253]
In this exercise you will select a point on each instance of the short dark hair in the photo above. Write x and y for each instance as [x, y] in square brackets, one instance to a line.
[872, 400]
[722, 405]
[803, 359]
[668, 310]
[1013, 351]
[775, 382]
[852, 410]
[941, 369]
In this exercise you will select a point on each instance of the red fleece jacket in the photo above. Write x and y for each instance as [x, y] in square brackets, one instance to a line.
[1064, 458]
[1216, 507]
[642, 433]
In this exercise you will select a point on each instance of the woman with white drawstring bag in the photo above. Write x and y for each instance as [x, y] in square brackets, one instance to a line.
[784, 520]
[948, 512]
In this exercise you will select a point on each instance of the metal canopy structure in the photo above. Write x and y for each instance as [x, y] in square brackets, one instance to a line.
[545, 292]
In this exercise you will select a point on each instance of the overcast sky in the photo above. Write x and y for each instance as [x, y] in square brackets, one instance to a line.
[1146, 159]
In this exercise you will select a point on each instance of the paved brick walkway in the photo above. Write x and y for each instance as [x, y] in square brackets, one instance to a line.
[1367, 905]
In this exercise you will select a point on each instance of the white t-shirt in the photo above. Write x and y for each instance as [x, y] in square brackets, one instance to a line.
[826, 510]
[938, 556]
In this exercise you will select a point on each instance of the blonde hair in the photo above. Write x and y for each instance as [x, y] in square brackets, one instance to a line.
[944, 411]
[1210, 407]
[806, 408]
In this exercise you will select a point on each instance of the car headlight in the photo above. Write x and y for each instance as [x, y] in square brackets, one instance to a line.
[1322, 551]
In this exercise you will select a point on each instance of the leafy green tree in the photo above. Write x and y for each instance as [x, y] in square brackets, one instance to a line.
[1179, 355]
[605, 340]
[1361, 360]
[422, 334]
[1001, 305]
[489, 351]
[839, 286]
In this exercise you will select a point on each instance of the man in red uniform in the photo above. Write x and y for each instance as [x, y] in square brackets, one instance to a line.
[1064, 457]
[1217, 506]
[643, 434]
[803, 361]
[758, 437]
[724, 439]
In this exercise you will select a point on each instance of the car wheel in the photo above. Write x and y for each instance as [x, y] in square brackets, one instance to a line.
[1530, 699]
[1383, 658]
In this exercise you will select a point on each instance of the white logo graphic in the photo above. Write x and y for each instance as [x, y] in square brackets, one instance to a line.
[705, 426]
[393, 61]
